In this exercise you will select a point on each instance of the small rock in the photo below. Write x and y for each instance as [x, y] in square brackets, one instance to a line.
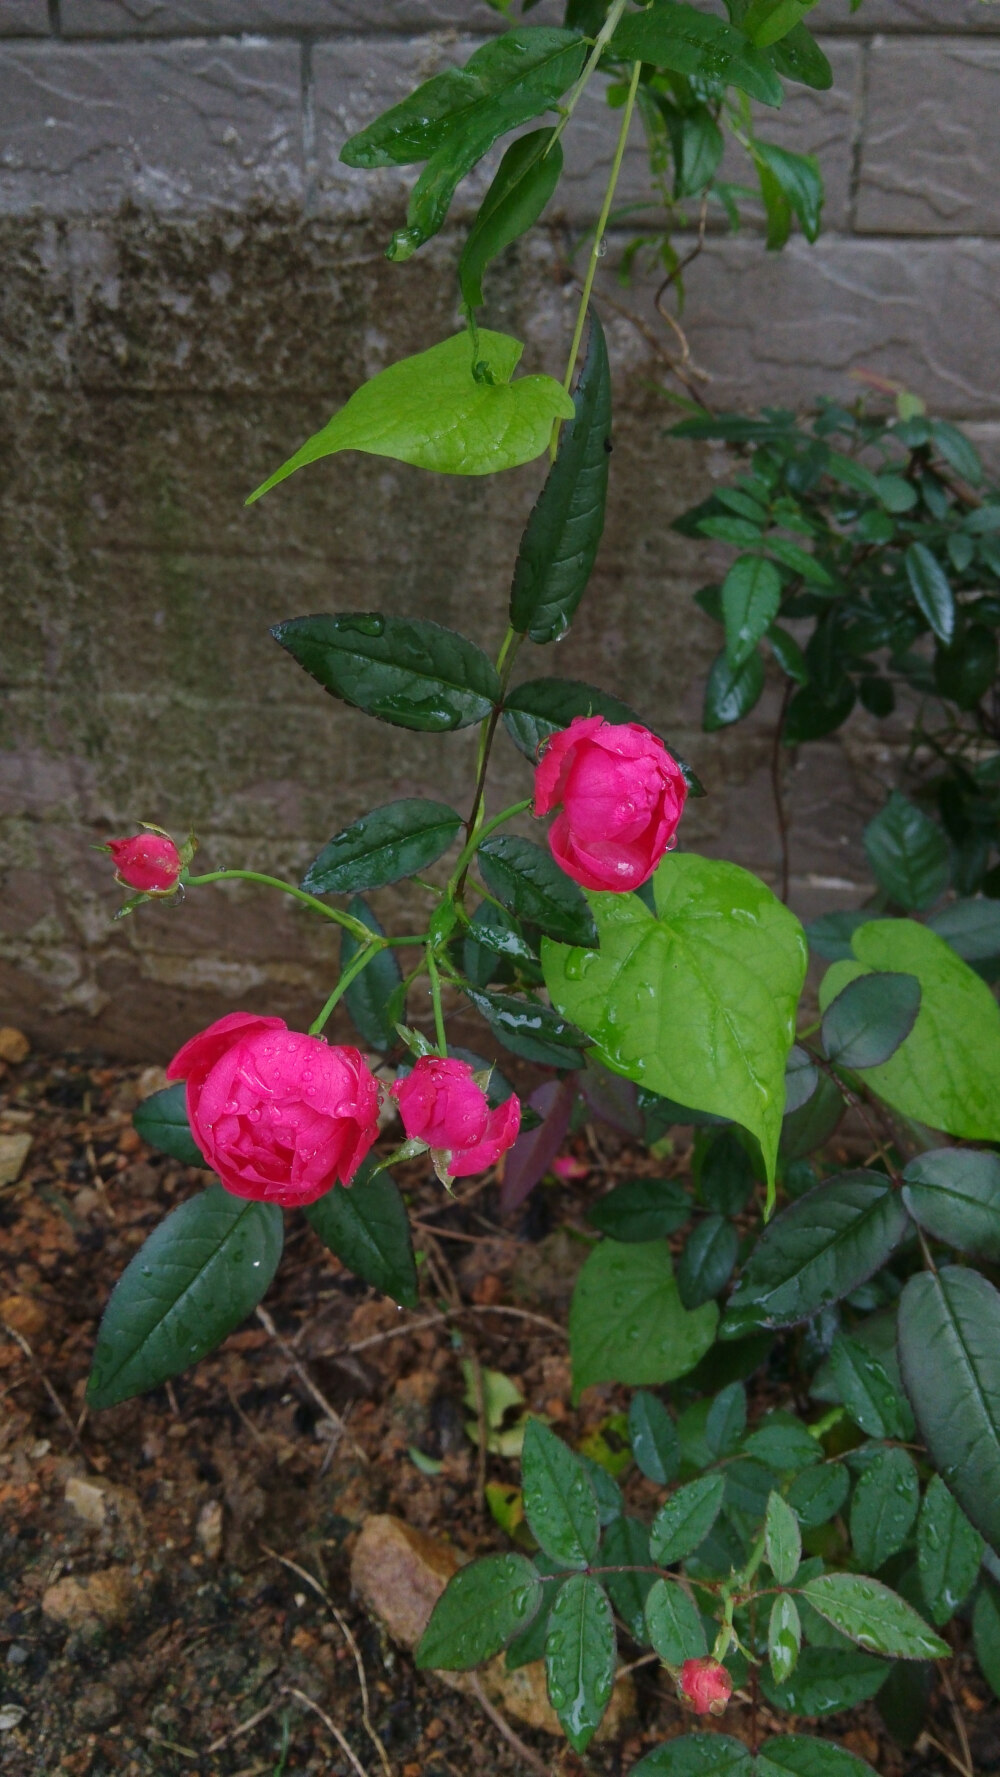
[106, 1597]
[208, 1529]
[96, 1706]
[130, 1141]
[14, 1045]
[152, 1079]
[14, 1150]
[17, 1655]
[10, 1717]
[87, 1500]
[24, 1314]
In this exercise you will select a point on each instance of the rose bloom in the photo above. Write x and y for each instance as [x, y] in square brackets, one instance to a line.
[148, 862]
[620, 797]
[706, 1685]
[442, 1103]
[279, 1116]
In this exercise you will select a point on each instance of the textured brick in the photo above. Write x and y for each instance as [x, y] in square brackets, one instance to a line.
[174, 18]
[929, 158]
[24, 18]
[923, 16]
[817, 123]
[174, 126]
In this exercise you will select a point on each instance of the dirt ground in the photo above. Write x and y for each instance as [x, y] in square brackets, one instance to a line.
[175, 1596]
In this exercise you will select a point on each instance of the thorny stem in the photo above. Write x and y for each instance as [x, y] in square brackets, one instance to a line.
[601, 41]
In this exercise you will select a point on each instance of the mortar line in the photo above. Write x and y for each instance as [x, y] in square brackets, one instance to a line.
[55, 20]
[858, 133]
[308, 97]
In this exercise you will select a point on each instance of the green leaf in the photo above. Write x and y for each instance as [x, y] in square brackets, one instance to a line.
[874, 1617]
[726, 1420]
[826, 1681]
[949, 1353]
[897, 495]
[531, 885]
[706, 1264]
[580, 1658]
[908, 853]
[731, 694]
[366, 1225]
[957, 450]
[948, 1552]
[482, 1607]
[785, 1442]
[867, 1391]
[965, 671]
[817, 1494]
[685, 1519]
[434, 411]
[522, 186]
[369, 999]
[653, 1436]
[641, 1209]
[751, 596]
[726, 1178]
[200, 1273]
[817, 710]
[541, 707]
[947, 1072]
[986, 1635]
[406, 671]
[698, 146]
[696, 1001]
[884, 1508]
[559, 1501]
[391, 842]
[798, 57]
[800, 562]
[955, 1194]
[830, 935]
[784, 1638]
[162, 1120]
[452, 120]
[788, 654]
[627, 1322]
[675, 1627]
[561, 539]
[676, 36]
[802, 1756]
[626, 1544]
[782, 1540]
[932, 590]
[765, 21]
[800, 182]
[817, 1251]
[530, 1029]
[869, 1019]
[696, 1755]
[777, 208]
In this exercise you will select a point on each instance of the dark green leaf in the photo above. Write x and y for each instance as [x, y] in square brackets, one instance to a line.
[874, 1617]
[396, 840]
[626, 1544]
[788, 654]
[801, 1756]
[730, 695]
[407, 671]
[685, 1519]
[801, 1079]
[530, 1029]
[986, 1634]
[932, 590]
[374, 998]
[751, 595]
[903, 1699]
[766, 21]
[798, 57]
[675, 1627]
[816, 1251]
[948, 1552]
[785, 1442]
[897, 494]
[367, 1227]
[749, 1486]
[955, 1194]
[453, 119]
[530, 1643]
[482, 1608]
[561, 538]
[817, 1494]
[869, 1019]
[800, 562]
[726, 1178]
[800, 182]
[559, 1501]
[867, 1390]
[531, 885]
[698, 146]
[676, 36]
[826, 1680]
[696, 1755]
[813, 1123]
[162, 1120]
[949, 1353]
[642, 1209]
[958, 451]
[726, 1420]
[972, 928]
[817, 710]
[200, 1273]
[707, 1261]
[830, 935]
[908, 853]
[627, 1322]
[610, 1500]
[524, 181]
[494, 941]
[784, 1637]
[653, 1436]
[580, 1658]
[782, 1540]
[965, 671]
[884, 1508]
[542, 707]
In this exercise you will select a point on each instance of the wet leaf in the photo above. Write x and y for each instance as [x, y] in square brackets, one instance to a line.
[580, 1658]
[908, 853]
[481, 1609]
[949, 1551]
[641, 1209]
[406, 671]
[782, 1540]
[675, 1627]
[162, 1120]
[784, 1638]
[524, 181]
[391, 842]
[559, 1501]
[676, 36]
[653, 1435]
[954, 1193]
[826, 1680]
[685, 1519]
[949, 1353]
[531, 885]
[627, 1322]
[873, 1616]
[366, 1225]
[884, 1508]
[869, 1019]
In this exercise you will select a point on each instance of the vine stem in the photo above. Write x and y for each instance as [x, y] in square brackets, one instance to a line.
[474, 825]
[352, 971]
[475, 840]
[601, 42]
[435, 979]
[355, 926]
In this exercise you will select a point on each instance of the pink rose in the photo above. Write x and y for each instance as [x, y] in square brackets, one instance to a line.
[278, 1115]
[706, 1685]
[148, 862]
[442, 1103]
[620, 797]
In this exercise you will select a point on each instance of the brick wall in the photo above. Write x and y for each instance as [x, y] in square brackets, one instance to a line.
[192, 282]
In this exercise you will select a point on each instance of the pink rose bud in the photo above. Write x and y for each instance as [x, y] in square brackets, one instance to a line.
[567, 1167]
[442, 1103]
[149, 862]
[279, 1116]
[620, 797]
[706, 1685]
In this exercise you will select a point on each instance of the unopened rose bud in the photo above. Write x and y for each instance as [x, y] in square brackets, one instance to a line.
[706, 1685]
[443, 1104]
[148, 862]
[618, 795]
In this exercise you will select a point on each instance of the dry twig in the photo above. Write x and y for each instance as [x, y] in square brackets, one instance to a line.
[331, 1726]
[302, 1373]
[19, 1339]
[503, 1727]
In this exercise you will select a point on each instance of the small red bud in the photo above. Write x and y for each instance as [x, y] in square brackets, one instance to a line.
[148, 862]
[706, 1685]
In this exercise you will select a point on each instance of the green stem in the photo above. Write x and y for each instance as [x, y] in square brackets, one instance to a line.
[476, 837]
[505, 663]
[353, 969]
[601, 41]
[435, 979]
[347, 920]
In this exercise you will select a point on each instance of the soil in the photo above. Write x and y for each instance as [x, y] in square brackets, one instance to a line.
[192, 1547]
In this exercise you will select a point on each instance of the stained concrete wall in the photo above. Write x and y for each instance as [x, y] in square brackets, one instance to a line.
[191, 283]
